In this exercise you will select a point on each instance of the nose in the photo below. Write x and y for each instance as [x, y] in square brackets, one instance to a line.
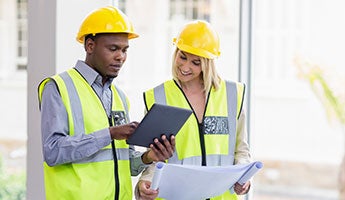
[120, 55]
[184, 67]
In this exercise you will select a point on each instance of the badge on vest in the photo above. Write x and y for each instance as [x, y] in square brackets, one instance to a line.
[119, 117]
[216, 125]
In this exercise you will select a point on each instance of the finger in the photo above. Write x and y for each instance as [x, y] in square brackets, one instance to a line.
[127, 134]
[133, 125]
[158, 144]
[159, 152]
[167, 145]
[162, 148]
[155, 152]
[239, 191]
[170, 145]
[172, 141]
[148, 194]
[238, 188]
[242, 189]
[165, 141]
[144, 190]
[247, 184]
[247, 187]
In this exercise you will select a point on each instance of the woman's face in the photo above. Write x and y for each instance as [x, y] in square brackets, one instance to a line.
[188, 67]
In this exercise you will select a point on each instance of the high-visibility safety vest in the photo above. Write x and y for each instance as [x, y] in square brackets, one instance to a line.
[104, 175]
[211, 143]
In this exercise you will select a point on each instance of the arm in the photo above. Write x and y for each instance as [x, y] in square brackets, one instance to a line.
[58, 146]
[136, 162]
[242, 152]
[142, 189]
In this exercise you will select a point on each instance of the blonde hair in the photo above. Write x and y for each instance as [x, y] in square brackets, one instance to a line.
[210, 75]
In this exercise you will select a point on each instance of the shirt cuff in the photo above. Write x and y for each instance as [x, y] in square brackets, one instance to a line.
[103, 137]
[137, 165]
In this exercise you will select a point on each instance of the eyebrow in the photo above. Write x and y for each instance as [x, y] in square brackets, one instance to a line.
[197, 59]
[118, 46]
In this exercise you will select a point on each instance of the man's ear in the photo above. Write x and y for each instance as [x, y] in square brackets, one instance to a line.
[89, 45]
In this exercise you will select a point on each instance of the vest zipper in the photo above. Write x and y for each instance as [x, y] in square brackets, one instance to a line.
[202, 144]
[116, 167]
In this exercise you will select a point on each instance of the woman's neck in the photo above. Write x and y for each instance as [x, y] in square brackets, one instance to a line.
[192, 86]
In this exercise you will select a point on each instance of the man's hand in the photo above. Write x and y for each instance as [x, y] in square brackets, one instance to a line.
[159, 151]
[242, 189]
[122, 132]
[145, 193]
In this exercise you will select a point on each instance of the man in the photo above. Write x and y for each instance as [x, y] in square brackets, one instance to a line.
[85, 118]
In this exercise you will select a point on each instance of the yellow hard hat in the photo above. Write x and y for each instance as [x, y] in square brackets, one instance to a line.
[106, 20]
[198, 38]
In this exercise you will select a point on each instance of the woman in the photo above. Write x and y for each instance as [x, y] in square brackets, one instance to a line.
[215, 135]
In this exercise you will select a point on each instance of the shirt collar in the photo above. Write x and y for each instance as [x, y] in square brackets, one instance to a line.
[90, 75]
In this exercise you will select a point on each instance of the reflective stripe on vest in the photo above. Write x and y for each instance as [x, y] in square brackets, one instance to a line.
[79, 180]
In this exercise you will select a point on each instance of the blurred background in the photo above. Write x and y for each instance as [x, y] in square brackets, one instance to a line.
[290, 54]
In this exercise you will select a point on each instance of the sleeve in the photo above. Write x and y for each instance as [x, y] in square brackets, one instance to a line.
[242, 150]
[147, 175]
[136, 162]
[58, 146]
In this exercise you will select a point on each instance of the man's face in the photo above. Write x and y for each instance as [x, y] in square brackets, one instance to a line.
[107, 53]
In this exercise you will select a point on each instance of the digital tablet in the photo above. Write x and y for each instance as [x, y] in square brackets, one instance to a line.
[161, 119]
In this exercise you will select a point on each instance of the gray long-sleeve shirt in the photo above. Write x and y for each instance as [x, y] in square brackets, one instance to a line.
[58, 146]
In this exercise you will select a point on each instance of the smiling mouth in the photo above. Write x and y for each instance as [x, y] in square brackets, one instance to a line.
[185, 73]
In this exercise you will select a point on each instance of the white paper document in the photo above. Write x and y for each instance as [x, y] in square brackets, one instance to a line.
[189, 182]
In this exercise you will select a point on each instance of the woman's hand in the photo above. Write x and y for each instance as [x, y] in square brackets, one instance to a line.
[145, 193]
[242, 189]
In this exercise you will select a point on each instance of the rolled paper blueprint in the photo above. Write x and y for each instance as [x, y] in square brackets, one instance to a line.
[157, 176]
[185, 182]
[249, 174]
[256, 167]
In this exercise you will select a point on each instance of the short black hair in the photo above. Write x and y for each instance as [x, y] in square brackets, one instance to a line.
[91, 36]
